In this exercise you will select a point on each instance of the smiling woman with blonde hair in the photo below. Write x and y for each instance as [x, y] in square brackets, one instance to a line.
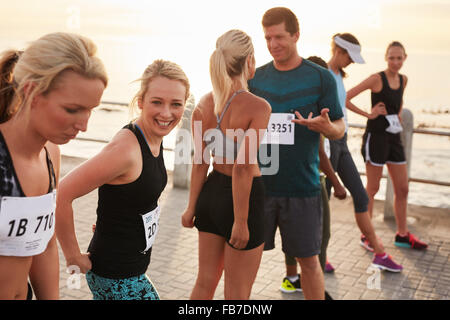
[130, 175]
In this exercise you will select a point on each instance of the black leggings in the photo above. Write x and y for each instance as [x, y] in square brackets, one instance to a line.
[343, 164]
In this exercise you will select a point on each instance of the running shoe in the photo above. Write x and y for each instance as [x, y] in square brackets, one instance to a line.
[328, 268]
[365, 243]
[289, 287]
[409, 241]
[386, 263]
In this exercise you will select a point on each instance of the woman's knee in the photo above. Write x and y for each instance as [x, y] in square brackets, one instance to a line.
[372, 189]
[401, 192]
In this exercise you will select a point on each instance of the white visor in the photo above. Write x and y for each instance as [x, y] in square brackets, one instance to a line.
[354, 50]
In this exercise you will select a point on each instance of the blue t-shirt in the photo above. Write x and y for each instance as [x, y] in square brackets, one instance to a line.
[342, 95]
[307, 88]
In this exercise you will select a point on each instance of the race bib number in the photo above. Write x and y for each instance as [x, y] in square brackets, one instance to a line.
[26, 224]
[394, 124]
[280, 129]
[151, 226]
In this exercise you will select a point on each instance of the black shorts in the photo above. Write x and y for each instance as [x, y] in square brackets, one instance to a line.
[379, 148]
[214, 209]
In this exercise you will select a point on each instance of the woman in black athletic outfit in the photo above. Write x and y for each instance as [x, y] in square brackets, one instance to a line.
[381, 141]
[130, 175]
[228, 205]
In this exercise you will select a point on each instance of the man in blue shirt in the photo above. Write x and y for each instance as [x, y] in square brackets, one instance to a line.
[293, 85]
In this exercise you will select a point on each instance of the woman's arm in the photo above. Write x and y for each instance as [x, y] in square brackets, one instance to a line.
[244, 170]
[368, 84]
[199, 169]
[120, 157]
[327, 168]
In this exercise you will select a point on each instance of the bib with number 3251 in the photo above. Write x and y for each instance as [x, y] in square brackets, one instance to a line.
[394, 124]
[151, 225]
[280, 129]
[26, 224]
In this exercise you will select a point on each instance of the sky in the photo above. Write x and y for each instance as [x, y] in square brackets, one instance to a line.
[421, 24]
[131, 33]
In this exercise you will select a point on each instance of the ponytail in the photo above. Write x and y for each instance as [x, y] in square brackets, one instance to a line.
[227, 64]
[7, 84]
[221, 81]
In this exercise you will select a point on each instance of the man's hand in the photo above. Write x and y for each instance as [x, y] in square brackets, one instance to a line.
[322, 124]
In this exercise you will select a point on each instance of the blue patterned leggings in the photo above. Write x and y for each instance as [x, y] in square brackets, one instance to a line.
[134, 288]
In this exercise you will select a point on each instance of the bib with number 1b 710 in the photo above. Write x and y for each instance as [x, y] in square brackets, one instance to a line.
[280, 129]
[151, 225]
[26, 224]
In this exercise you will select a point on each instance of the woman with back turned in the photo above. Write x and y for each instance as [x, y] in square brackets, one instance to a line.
[228, 204]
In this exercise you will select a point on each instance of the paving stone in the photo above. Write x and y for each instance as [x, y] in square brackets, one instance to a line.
[174, 264]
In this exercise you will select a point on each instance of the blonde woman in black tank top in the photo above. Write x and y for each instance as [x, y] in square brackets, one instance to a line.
[382, 143]
[130, 175]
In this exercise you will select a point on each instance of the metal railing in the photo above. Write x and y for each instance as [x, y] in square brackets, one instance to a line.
[182, 171]
[351, 125]
[415, 130]
[420, 131]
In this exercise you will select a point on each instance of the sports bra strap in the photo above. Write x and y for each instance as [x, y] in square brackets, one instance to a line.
[51, 171]
[219, 119]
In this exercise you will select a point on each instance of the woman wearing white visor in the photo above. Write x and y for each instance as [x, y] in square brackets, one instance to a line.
[381, 141]
[346, 50]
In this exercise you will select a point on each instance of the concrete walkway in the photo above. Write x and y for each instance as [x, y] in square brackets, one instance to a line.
[173, 267]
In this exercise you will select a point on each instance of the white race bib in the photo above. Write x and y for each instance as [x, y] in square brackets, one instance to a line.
[26, 224]
[280, 129]
[394, 124]
[151, 226]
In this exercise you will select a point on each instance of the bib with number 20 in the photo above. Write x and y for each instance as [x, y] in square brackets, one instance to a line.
[151, 226]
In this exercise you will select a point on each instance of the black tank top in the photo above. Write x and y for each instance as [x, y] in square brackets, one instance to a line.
[119, 238]
[392, 100]
[9, 183]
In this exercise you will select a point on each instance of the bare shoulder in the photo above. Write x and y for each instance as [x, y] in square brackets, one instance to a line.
[206, 102]
[405, 80]
[374, 78]
[124, 144]
[258, 104]
[373, 82]
[119, 156]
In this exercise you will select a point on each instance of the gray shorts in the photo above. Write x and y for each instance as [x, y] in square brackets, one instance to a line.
[300, 223]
